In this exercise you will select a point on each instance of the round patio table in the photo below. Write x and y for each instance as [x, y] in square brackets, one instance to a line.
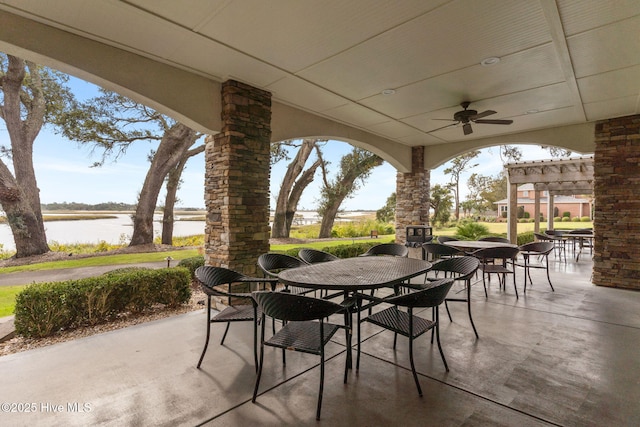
[472, 245]
[355, 274]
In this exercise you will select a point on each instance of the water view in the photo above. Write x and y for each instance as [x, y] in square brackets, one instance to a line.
[111, 230]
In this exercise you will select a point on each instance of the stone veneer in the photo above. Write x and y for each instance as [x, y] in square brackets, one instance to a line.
[617, 203]
[412, 195]
[237, 180]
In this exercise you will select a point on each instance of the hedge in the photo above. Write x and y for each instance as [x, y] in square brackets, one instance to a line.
[43, 309]
[192, 263]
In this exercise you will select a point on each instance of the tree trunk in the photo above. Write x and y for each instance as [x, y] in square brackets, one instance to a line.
[175, 142]
[296, 193]
[173, 184]
[328, 219]
[283, 208]
[19, 196]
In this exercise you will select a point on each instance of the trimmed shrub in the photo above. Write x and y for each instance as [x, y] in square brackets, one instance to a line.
[526, 237]
[43, 309]
[192, 264]
[585, 219]
[575, 219]
[557, 219]
[566, 219]
[566, 214]
[471, 230]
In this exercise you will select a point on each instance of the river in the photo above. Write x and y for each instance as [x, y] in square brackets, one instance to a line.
[118, 230]
[111, 230]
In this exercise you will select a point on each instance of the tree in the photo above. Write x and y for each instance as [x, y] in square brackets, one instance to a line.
[112, 123]
[440, 201]
[387, 213]
[459, 165]
[31, 96]
[486, 190]
[295, 180]
[355, 168]
[173, 184]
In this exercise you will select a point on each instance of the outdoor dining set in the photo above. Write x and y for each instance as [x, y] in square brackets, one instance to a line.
[305, 295]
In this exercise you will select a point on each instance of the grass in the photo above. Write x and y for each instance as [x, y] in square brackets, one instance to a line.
[8, 299]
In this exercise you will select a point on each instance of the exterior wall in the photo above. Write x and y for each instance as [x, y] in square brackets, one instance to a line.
[412, 195]
[237, 173]
[617, 198]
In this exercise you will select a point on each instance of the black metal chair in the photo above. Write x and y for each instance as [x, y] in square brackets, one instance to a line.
[241, 306]
[582, 242]
[272, 264]
[461, 269]
[560, 242]
[392, 249]
[530, 253]
[304, 329]
[435, 252]
[500, 261]
[407, 324]
[314, 256]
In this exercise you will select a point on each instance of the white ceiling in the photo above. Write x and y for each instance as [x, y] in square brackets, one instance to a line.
[574, 61]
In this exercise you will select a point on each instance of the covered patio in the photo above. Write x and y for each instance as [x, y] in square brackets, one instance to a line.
[567, 358]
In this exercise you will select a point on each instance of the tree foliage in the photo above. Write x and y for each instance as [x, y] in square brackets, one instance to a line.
[387, 213]
[459, 165]
[30, 97]
[355, 168]
[441, 202]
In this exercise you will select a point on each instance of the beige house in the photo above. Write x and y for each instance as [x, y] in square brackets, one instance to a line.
[577, 205]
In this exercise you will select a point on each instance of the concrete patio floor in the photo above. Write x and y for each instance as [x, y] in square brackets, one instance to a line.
[568, 357]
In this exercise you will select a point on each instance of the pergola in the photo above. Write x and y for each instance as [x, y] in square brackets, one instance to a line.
[571, 176]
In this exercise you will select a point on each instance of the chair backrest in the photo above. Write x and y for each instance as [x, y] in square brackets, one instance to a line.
[393, 249]
[501, 252]
[542, 237]
[543, 248]
[314, 256]
[463, 266]
[431, 296]
[271, 264]
[494, 239]
[212, 278]
[293, 307]
[442, 239]
[438, 250]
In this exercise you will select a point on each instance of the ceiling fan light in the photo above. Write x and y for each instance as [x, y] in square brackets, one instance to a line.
[492, 60]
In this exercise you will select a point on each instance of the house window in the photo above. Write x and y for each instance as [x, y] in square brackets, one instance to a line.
[545, 194]
[503, 208]
[525, 193]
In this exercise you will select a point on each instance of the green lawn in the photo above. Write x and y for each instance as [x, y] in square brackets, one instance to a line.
[8, 299]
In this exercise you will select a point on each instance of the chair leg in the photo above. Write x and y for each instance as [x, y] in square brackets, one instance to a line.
[547, 268]
[225, 333]
[468, 285]
[321, 373]
[206, 342]
[514, 282]
[413, 366]
[484, 285]
[448, 312]
[444, 360]
[259, 374]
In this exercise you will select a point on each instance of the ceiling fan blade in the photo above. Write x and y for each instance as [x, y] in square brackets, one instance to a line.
[446, 120]
[443, 127]
[494, 122]
[466, 128]
[483, 114]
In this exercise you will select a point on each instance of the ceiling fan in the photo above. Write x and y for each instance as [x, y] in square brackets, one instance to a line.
[466, 117]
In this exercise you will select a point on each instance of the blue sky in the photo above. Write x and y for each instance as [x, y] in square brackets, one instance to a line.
[64, 172]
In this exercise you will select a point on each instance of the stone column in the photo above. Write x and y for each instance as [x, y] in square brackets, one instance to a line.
[237, 180]
[412, 195]
[616, 252]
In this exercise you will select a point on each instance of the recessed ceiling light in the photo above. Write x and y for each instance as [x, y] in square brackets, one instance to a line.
[492, 60]
[388, 91]
[532, 111]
